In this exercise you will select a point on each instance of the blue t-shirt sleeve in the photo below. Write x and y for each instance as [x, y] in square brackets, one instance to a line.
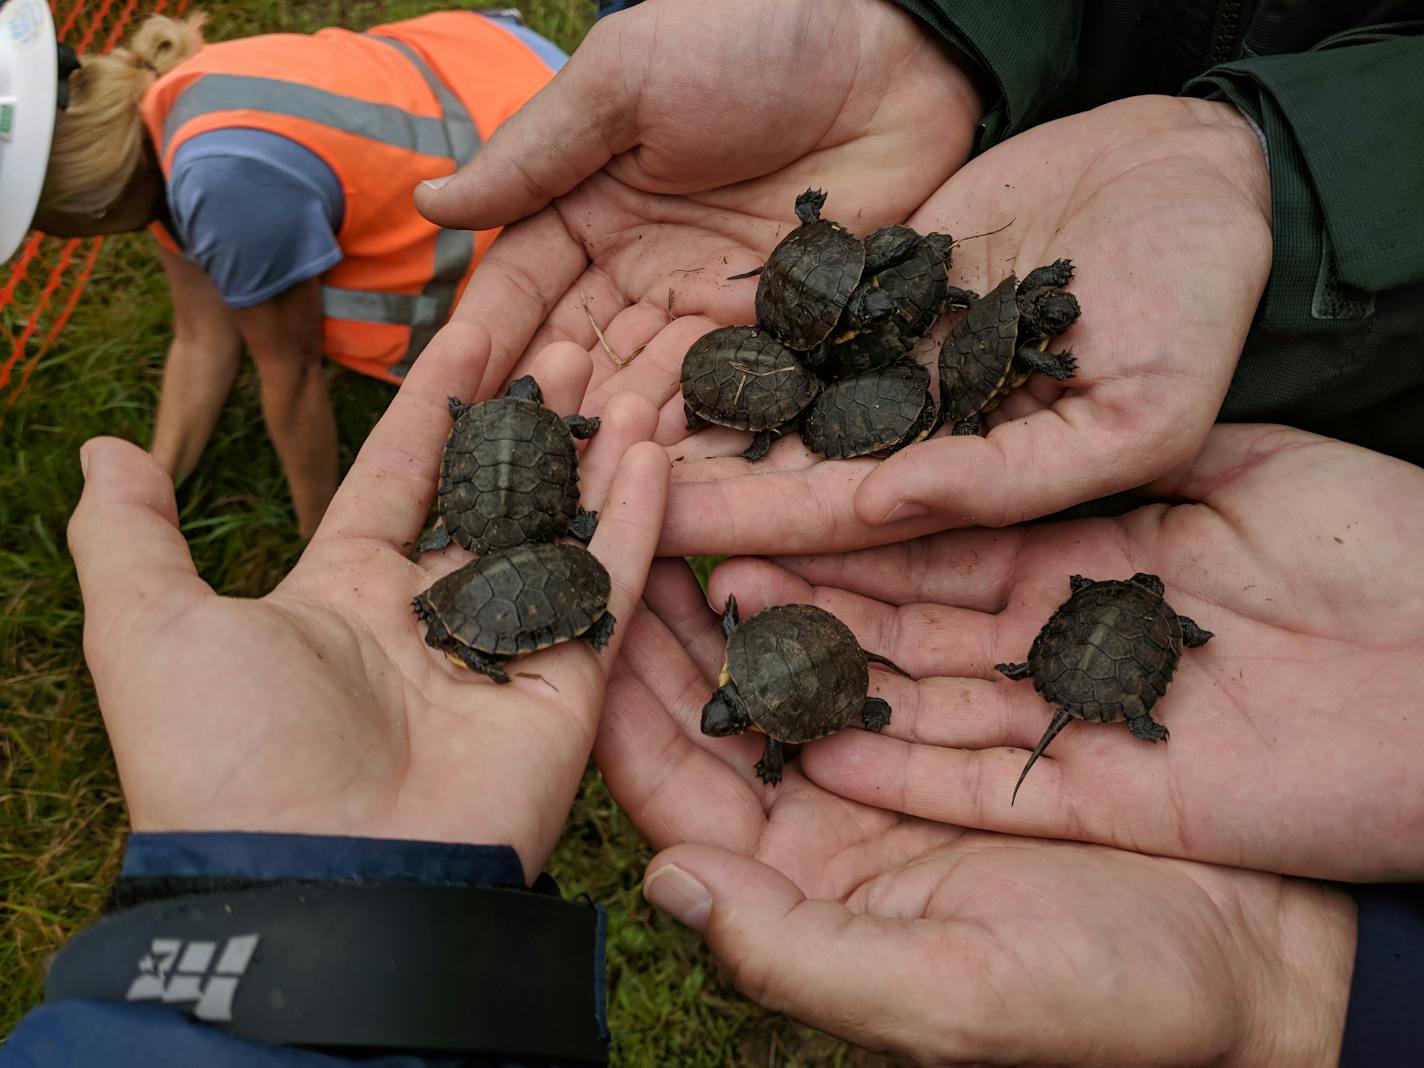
[256, 211]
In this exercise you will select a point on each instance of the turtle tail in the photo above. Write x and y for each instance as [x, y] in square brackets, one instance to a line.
[1060, 720]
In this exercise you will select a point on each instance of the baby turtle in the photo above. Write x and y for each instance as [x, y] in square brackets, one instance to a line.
[995, 347]
[872, 414]
[796, 673]
[516, 601]
[1107, 654]
[742, 377]
[904, 289]
[509, 474]
[808, 277]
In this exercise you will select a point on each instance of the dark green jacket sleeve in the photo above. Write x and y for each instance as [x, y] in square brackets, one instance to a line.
[1338, 342]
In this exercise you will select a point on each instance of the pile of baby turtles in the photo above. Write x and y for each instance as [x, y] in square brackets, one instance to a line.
[508, 490]
[838, 320]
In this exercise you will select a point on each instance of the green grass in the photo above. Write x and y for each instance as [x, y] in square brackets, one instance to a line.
[62, 816]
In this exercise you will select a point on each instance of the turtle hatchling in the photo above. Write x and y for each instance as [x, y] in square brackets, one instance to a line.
[1000, 342]
[808, 277]
[904, 288]
[742, 377]
[872, 414]
[796, 673]
[509, 474]
[1107, 654]
[516, 601]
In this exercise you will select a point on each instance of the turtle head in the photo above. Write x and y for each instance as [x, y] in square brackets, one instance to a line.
[1148, 582]
[525, 389]
[1049, 312]
[724, 715]
[809, 204]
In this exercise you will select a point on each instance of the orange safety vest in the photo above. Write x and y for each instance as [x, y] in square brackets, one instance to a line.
[385, 110]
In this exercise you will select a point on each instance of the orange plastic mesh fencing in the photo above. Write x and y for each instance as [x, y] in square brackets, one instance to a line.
[46, 278]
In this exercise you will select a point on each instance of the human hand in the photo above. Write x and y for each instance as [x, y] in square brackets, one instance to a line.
[668, 154]
[1163, 205]
[319, 708]
[1296, 731]
[942, 945]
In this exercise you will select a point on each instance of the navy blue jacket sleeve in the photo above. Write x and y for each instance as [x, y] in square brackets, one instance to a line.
[1385, 1022]
[148, 1035]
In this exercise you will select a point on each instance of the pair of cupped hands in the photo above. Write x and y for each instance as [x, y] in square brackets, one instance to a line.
[1139, 904]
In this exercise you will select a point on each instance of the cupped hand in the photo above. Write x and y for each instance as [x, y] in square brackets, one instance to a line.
[942, 945]
[1296, 732]
[1163, 206]
[318, 708]
[668, 154]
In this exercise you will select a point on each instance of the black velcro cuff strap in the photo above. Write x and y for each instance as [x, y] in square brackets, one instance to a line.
[388, 966]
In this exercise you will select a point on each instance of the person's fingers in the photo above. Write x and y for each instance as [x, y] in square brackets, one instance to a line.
[562, 371]
[861, 976]
[674, 596]
[387, 493]
[923, 638]
[1054, 458]
[628, 420]
[566, 132]
[133, 563]
[652, 368]
[673, 788]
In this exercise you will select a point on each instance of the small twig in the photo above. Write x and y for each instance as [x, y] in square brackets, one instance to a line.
[536, 675]
[670, 315]
[619, 360]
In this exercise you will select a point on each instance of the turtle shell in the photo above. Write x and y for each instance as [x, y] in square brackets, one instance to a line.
[509, 475]
[808, 278]
[875, 412]
[742, 377]
[519, 600]
[800, 671]
[975, 360]
[915, 278]
[1109, 643]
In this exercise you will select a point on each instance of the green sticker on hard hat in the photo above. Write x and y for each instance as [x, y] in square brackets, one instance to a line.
[7, 118]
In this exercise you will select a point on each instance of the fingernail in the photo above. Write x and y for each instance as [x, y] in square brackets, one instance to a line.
[677, 893]
[906, 510]
[436, 183]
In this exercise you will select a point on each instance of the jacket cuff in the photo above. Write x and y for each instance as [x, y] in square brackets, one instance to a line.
[1384, 1023]
[1021, 63]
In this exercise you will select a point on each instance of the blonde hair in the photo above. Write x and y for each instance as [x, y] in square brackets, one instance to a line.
[99, 140]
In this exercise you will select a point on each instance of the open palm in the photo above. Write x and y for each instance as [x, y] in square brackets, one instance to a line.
[318, 708]
[1163, 207]
[943, 945]
[1295, 731]
[668, 154]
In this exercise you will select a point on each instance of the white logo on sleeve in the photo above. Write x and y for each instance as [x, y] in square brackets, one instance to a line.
[173, 970]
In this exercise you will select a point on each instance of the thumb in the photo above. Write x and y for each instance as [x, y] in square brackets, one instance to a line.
[845, 972]
[562, 135]
[124, 538]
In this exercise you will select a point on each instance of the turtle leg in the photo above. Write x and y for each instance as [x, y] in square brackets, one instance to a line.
[760, 446]
[1057, 274]
[885, 661]
[768, 768]
[435, 633]
[694, 421]
[1013, 671]
[437, 537]
[966, 426]
[875, 716]
[1059, 721]
[1147, 728]
[583, 525]
[1078, 582]
[457, 407]
[730, 619]
[601, 631]
[485, 665]
[956, 299]
[1193, 637]
[582, 427]
[1056, 365]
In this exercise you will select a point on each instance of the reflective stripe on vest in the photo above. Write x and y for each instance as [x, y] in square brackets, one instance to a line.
[454, 136]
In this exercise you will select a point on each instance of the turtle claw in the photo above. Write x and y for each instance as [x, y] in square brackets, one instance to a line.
[767, 774]
[599, 634]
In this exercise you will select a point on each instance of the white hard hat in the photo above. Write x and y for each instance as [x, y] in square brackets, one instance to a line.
[29, 82]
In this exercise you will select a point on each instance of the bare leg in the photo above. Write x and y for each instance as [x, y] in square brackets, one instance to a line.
[485, 665]
[769, 767]
[600, 632]
[582, 427]
[1012, 671]
[457, 407]
[760, 446]
[968, 425]
[584, 524]
[875, 716]
[1056, 365]
[1057, 274]
[1078, 582]
[694, 421]
[1147, 728]
[1193, 637]
[437, 537]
